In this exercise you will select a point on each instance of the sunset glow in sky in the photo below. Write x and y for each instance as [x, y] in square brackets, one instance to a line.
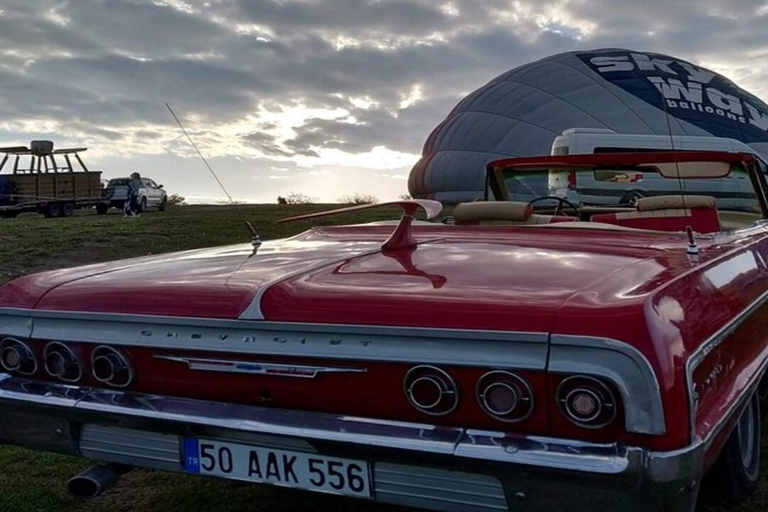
[322, 97]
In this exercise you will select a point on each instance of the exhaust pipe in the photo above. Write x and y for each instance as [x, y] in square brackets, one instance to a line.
[97, 479]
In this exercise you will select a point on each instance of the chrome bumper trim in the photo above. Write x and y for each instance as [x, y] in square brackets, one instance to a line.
[629, 478]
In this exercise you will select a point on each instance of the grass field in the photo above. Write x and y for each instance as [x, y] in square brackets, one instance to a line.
[35, 482]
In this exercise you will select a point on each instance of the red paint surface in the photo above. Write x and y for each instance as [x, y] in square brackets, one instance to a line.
[638, 288]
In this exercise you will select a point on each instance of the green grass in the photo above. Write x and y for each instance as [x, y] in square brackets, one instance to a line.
[32, 481]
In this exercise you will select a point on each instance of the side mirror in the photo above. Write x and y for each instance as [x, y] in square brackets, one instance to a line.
[160, 186]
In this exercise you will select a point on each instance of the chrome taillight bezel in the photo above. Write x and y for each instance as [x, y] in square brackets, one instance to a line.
[117, 361]
[24, 351]
[447, 391]
[607, 410]
[58, 350]
[524, 398]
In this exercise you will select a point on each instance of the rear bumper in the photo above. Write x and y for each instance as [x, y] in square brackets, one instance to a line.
[434, 467]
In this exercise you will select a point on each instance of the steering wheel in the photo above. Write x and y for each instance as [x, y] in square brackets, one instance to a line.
[561, 202]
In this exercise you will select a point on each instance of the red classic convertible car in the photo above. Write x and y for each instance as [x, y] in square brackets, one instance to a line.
[520, 356]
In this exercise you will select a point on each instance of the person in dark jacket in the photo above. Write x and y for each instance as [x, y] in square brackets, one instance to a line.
[132, 201]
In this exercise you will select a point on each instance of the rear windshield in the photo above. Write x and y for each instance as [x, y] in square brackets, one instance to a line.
[118, 182]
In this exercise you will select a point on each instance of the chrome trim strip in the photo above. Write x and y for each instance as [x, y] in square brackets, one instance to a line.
[623, 365]
[258, 368]
[607, 459]
[15, 323]
[461, 347]
[696, 358]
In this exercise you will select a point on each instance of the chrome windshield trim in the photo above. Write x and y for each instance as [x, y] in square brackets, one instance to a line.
[623, 365]
[461, 347]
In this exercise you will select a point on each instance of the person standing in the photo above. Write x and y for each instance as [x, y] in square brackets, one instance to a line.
[134, 185]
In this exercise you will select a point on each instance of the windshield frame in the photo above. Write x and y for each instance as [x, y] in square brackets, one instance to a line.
[496, 187]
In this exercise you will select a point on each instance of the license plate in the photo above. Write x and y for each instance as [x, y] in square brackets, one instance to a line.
[279, 467]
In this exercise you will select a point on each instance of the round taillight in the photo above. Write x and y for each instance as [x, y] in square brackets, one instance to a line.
[586, 402]
[17, 357]
[111, 366]
[431, 390]
[505, 396]
[62, 362]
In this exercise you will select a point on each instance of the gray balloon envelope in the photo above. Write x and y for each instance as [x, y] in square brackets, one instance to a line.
[521, 112]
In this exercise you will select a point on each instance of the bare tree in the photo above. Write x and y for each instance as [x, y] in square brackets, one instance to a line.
[299, 198]
[358, 198]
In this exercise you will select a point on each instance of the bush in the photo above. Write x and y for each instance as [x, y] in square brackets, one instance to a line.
[176, 200]
[298, 198]
[357, 198]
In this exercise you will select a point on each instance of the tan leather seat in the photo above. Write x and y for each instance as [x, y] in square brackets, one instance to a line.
[477, 212]
[502, 213]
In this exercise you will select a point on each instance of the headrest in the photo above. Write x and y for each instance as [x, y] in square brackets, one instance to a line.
[492, 210]
[670, 202]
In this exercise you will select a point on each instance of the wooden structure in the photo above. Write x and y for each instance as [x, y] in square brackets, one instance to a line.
[45, 180]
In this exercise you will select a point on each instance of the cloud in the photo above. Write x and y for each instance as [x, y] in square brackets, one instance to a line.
[311, 84]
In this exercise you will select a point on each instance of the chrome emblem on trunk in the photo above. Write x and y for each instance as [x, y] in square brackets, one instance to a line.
[258, 368]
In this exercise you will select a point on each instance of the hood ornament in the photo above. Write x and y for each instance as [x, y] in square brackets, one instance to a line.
[401, 237]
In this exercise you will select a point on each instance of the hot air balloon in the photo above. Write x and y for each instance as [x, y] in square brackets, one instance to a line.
[520, 112]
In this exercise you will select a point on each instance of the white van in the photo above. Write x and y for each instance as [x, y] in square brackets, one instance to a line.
[621, 188]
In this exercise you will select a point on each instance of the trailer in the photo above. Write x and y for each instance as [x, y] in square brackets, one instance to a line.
[49, 184]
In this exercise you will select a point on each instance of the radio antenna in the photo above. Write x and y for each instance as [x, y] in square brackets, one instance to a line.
[178, 121]
[255, 238]
[667, 116]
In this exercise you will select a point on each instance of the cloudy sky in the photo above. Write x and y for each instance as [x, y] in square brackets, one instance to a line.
[322, 97]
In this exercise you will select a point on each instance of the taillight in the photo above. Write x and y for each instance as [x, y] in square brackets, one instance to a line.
[16, 356]
[572, 180]
[62, 362]
[505, 396]
[431, 390]
[586, 402]
[110, 366]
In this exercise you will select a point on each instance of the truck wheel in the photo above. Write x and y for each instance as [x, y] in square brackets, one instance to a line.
[67, 209]
[142, 205]
[163, 204]
[739, 463]
[52, 210]
[102, 209]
